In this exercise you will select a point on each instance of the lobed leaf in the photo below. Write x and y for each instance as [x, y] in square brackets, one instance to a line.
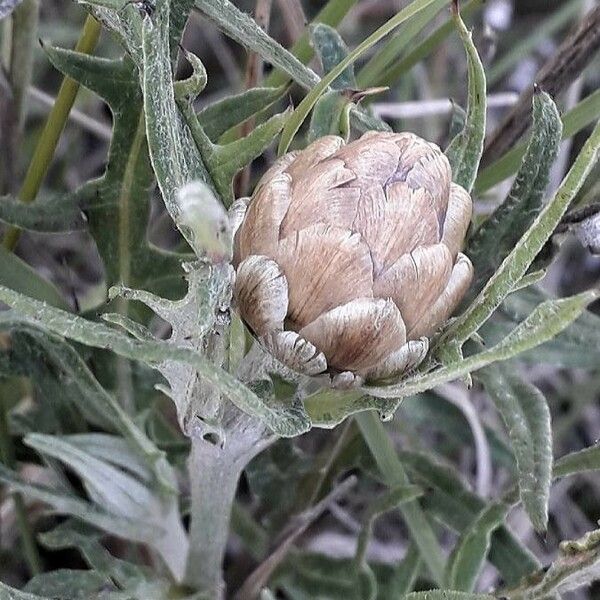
[282, 420]
[223, 162]
[116, 205]
[174, 155]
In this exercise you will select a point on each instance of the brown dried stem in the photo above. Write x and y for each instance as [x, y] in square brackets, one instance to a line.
[561, 70]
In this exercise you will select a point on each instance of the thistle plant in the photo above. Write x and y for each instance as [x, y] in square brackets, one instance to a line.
[355, 281]
[355, 250]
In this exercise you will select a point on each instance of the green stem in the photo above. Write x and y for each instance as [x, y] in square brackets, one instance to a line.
[7, 455]
[394, 475]
[124, 372]
[46, 146]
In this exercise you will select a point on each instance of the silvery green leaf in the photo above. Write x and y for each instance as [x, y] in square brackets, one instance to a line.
[49, 216]
[525, 413]
[220, 116]
[188, 89]
[445, 595]
[71, 584]
[116, 205]
[458, 119]
[174, 155]
[469, 554]
[577, 564]
[108, 486]
[18, 275]
[129, 325]
[581, 461]
[465, 150]
[329, 407]
[224, 161]
[331, 50]
[577, 119]
[498, 234]
[578, 345]
[516, 264]
[362, 120]
[451, 501]
[65, 504]
[81, 387]
[281, 419]
[74, 534]
[328, 115]
[123, 496]
[244, 30]
[113, 450]
[544, 323]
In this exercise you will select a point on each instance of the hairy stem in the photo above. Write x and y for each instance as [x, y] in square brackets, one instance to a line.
[394, 474]
[46, 146]
[213, 478]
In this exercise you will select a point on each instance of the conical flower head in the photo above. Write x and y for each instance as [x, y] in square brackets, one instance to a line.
[348, 255]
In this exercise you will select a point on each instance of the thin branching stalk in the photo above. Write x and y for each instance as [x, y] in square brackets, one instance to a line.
[46, 146]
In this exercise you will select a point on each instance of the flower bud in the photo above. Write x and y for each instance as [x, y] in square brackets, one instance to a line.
[348, 257]
[204, 222]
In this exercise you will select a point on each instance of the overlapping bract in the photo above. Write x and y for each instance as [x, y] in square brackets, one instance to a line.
[348, 255]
